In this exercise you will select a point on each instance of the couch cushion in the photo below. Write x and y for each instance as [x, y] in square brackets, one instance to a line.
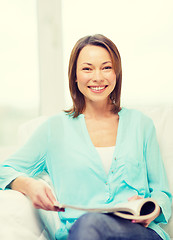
[18, 218]
[163, 120]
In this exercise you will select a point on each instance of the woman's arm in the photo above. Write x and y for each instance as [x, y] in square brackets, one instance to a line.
[157, 178]
[18, 170]
[39, 192]
[29, 160]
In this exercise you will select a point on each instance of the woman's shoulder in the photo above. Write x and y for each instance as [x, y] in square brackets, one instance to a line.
[137, 116]
[62, 117]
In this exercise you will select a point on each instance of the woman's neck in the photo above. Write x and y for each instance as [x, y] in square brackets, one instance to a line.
[97, 110]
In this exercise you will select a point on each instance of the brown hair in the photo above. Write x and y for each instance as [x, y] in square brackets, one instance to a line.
[77, 96]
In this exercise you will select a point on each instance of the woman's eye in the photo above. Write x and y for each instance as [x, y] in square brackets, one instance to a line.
[107, 67]
[86, 69]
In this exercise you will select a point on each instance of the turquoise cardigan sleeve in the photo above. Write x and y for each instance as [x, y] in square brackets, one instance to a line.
[29, 160]
[157, 179]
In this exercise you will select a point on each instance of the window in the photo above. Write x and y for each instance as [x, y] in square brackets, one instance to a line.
[19, 74]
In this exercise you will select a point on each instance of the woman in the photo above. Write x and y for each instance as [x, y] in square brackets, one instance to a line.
[97, 153]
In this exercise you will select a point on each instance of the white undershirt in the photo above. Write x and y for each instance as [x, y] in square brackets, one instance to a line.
[106, 154]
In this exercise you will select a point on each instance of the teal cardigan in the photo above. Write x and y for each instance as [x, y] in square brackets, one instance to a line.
[62, 146]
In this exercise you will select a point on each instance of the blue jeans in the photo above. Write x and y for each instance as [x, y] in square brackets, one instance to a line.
[97, 226]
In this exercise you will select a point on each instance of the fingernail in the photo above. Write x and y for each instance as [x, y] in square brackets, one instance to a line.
[62, 209]
[133, 221]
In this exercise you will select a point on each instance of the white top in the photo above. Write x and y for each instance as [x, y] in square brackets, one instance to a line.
[106, 154]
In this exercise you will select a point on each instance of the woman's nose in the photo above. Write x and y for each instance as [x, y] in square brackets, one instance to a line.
[97, 76]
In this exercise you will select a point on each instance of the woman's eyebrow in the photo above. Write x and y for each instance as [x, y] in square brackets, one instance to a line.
[87, 63]
[90, 64]
[106, 62]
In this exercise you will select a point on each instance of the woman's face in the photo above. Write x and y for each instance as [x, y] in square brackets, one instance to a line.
[96, 77]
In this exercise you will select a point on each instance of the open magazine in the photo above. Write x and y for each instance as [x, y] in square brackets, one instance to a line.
[138, 209]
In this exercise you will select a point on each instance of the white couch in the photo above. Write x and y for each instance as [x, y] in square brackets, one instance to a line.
[19, 220]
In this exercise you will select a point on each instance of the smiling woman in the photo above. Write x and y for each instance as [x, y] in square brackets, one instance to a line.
[96, 78]
[66, 146]
[97, 71]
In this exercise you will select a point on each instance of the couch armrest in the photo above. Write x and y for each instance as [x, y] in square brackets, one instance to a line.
[20, 220]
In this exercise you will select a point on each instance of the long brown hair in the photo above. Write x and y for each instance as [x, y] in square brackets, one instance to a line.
[77, 96]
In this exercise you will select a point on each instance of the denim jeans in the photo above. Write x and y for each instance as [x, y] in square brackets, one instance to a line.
[97, 226]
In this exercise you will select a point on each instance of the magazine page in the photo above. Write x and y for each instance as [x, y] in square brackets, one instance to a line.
[137, 209]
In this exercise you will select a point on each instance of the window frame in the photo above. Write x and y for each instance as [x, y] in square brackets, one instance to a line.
[50, 46]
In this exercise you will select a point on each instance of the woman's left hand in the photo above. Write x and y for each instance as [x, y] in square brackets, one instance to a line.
[145, 223]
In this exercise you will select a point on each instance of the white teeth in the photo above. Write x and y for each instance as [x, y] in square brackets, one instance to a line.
[97, 88]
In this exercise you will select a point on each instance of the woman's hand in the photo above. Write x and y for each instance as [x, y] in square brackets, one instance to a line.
[39, 193]
[145, 223]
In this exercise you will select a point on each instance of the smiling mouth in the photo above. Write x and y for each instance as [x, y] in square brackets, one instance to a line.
[97, 88]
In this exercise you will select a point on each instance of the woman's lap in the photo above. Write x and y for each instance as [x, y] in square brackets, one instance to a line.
[97, 226]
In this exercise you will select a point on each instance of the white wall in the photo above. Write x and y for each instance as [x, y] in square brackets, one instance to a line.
[143, 33]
